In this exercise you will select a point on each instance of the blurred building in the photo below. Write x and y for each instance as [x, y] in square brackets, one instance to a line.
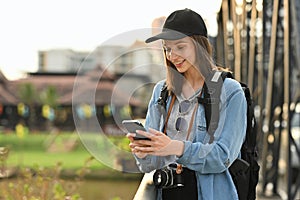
[137, 59]
[64, 61]
[112, 83]
[78, 99]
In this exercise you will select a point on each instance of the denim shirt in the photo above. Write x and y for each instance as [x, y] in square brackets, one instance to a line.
[209, 161]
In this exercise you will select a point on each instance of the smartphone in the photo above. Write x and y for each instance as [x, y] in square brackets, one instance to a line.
[132, 126]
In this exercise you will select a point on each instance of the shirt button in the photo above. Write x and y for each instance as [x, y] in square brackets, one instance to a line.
[227, 162]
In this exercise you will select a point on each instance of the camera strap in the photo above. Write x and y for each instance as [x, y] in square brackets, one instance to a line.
[169, 112]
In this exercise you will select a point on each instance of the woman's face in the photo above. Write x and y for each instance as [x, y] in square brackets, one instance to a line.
[181, 53]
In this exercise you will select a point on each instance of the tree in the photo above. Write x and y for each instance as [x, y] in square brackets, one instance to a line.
[49, 100]
[28, 95]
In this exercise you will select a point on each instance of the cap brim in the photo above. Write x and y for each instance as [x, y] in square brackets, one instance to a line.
[166, 35]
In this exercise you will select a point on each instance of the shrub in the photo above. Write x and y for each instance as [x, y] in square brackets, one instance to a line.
[40, 183]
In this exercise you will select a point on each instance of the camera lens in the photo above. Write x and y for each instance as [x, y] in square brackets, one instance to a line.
[163, 178]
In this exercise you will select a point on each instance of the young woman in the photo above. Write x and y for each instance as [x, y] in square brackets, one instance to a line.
[189, 163]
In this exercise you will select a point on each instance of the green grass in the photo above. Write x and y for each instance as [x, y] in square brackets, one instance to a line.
[69, 160]
[55, 169]
[33, 149]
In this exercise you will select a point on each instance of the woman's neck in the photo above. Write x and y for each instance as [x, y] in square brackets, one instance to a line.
[193, 82]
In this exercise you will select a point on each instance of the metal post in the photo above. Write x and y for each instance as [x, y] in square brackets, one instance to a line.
[244, 43]
[285, 115]
[225, 18]
[259, 94]
[251, 60]
[295, 96]
[268, 104]
[237, 40]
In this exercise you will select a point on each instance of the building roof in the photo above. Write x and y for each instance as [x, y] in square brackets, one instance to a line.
[95, 86]
[6, 95]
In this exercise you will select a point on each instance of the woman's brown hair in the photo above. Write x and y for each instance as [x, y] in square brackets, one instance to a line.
[204, 64]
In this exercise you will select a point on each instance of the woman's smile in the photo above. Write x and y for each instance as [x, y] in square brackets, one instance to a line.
[179, 64]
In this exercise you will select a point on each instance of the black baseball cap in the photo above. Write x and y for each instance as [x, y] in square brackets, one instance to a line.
[179, 24]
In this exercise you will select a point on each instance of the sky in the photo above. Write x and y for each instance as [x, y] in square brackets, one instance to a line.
[81, 25]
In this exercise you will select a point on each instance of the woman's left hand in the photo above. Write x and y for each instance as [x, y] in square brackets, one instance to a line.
[159, 144]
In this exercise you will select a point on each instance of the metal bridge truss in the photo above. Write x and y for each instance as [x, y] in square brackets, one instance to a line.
[260, 41]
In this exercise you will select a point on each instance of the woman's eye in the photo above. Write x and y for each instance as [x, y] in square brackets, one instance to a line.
[180, 47]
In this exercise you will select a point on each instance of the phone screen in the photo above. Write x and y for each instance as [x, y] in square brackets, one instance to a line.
[132, 126]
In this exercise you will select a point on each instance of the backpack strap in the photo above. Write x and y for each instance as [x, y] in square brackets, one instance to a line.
[162, 100]
[211, 100]
[251, 133]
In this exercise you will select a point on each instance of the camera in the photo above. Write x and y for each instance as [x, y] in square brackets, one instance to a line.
[167, 177]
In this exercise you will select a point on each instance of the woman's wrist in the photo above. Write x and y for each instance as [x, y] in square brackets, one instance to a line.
[178, 147]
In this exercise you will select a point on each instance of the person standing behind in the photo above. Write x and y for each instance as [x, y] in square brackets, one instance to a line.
[188, 162]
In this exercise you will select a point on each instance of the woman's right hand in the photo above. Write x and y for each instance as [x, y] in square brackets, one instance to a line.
[133, 144]
[158, 145]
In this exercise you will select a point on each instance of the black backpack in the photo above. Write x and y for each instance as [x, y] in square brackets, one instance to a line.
[244, 171]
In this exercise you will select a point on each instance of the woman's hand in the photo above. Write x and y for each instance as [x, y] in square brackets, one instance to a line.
[133, 144]
[159, 145]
